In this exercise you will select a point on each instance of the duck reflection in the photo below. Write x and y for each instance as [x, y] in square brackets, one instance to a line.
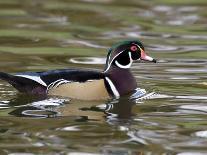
[35, 106]
[56, 107]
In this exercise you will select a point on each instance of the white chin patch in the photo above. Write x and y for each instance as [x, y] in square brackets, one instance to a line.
[125, 66]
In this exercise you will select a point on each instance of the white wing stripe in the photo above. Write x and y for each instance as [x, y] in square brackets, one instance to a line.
[51, 85]
[61, 82]
[57, 83]
[34, 78]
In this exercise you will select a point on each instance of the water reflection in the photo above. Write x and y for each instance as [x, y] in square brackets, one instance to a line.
[166, 116]
[52, 107]
[88, 60]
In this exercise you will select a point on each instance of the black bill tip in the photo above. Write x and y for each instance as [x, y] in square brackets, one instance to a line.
[154, 60]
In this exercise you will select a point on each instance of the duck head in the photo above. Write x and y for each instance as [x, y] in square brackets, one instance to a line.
[123, 54]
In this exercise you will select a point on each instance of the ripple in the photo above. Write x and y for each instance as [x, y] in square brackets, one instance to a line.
[159, 47]
[194, 48]
[137, 34]
[190, 19]
[83, 153]
[192, 97]
[202, 108]
[63, 20]
[152, 95]
[138, 93]
[191, 153]
[37, 113]
[173, 118]
[185, 78]
[177, 49]
[186, 70]
[97, 1]
[88, 60]
[85, 43]
[163, 8]
[188, 9]
[33, 26]
[70, 128]
[202, 134]
[123, 128]
[48, 102]
[199, 37]
[21, 153]
[136, 138]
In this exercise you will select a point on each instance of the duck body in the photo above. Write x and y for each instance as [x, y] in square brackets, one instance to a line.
[116, 80]
[50, 82]
[73, 83]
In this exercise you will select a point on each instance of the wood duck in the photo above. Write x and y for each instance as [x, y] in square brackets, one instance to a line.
[116, 79]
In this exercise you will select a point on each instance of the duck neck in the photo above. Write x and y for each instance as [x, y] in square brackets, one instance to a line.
[122, 79]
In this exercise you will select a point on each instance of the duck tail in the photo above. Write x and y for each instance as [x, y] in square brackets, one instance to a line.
[6, 77]
[23, 84]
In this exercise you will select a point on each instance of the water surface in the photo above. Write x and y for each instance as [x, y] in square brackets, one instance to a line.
[169, 119]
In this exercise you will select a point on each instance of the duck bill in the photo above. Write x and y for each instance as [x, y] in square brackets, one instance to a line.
[145, 57]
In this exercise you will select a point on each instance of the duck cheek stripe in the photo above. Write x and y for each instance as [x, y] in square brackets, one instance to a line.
[126, 66]
[113, 88]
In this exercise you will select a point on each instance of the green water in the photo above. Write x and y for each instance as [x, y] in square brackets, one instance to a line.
[38, 35]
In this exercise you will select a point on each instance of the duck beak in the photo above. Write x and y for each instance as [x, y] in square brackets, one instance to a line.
[145, 57]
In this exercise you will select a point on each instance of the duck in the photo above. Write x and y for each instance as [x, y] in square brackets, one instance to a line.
[114, 81]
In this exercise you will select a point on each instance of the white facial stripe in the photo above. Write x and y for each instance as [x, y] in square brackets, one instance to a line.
[34, 78]
[139, 48]
[119, 65]
[137, 45]
[109, 64]
[113, 88]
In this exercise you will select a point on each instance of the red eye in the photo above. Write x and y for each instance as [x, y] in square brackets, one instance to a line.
[133, 48]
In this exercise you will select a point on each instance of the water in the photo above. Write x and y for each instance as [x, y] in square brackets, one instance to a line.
[169, 119]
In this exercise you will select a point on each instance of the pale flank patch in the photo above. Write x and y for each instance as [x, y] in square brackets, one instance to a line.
[90, 90]
[204, 83]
